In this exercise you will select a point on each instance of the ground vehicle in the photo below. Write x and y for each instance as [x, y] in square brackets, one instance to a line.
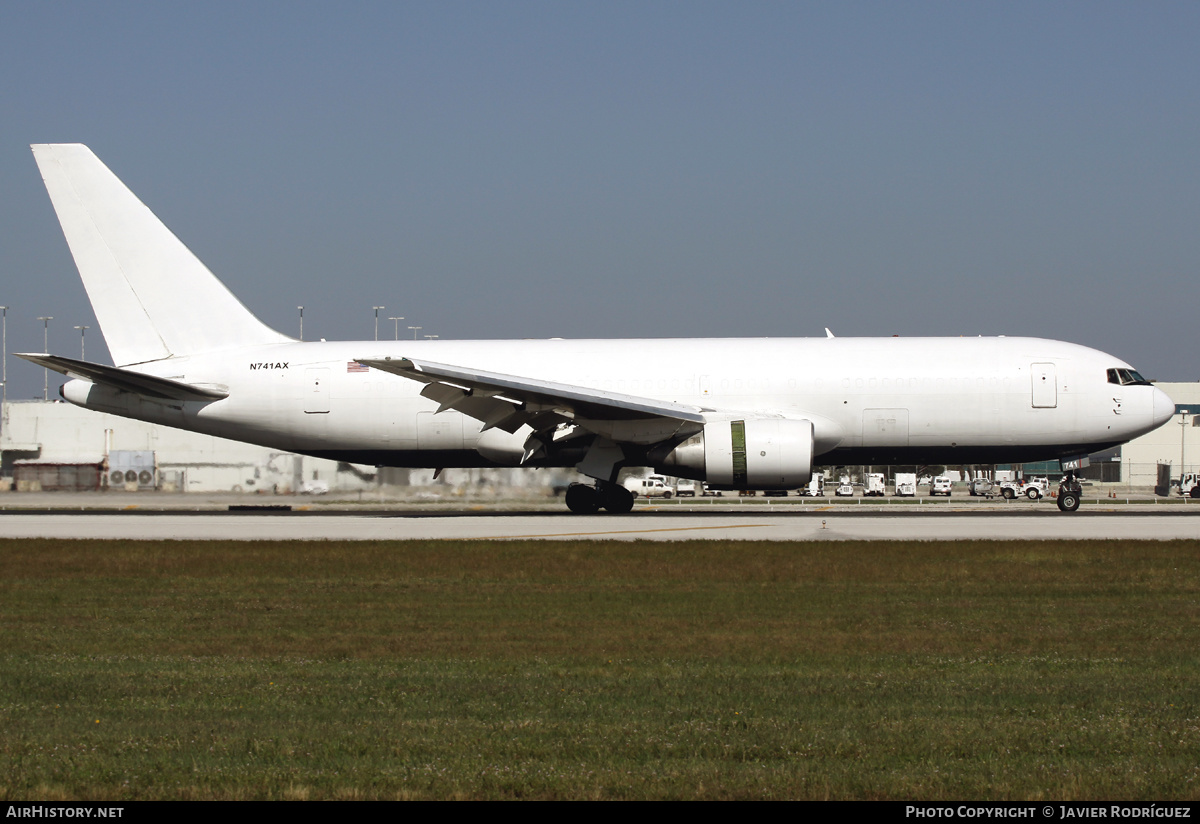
[816, 487]
[875, 485]
[1189, 485]
[906, 484]
[942, 485]
[1031, 488]
[980, 486]
[685, 488]
[653, 487]
[845, 488]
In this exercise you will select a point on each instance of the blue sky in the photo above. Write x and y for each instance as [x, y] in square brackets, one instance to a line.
[528, 169]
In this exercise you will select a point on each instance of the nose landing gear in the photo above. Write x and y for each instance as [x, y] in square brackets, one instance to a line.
[1069, 492]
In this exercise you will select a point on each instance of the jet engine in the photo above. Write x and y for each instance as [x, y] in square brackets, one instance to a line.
[755, 453]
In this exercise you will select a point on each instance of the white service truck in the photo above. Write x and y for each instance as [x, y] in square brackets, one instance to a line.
[653, 487]
[1032, 488]
[816, 486]
[942, 485]
[876, 485]
[906, 484]
[1189, 485]
[980, 485]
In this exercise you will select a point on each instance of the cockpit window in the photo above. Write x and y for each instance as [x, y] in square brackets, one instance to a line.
[1126, 377]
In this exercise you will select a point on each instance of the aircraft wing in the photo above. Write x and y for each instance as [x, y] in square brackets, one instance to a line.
[509, 402]
[126, 380]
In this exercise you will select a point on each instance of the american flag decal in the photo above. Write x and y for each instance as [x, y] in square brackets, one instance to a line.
[355, 366]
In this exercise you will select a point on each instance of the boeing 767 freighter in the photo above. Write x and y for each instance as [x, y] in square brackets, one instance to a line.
[738, 413]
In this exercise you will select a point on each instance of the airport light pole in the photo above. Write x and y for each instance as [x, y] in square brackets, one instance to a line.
[415, 330]
[301, 308]
[4, 352]
[46, 348]
[82, 349]
[1183, 420]
[396, 323]
[377, 308]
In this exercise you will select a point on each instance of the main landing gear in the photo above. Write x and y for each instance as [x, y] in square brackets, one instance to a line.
[586, 500]
[1069, 492]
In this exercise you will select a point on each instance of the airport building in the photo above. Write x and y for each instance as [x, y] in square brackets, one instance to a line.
[48, 445]
[1175, 443]
[52, 445]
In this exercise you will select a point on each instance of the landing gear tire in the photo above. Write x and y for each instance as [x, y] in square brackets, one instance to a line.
[1068, 501]
[1069, 493]
[582, 499]
[616, 499]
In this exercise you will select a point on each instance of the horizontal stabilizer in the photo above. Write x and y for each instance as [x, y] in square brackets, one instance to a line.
[127, 380]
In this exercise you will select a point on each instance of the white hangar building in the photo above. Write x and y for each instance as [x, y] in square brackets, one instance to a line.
[55, 434]
[42, 440]
[1176, 442]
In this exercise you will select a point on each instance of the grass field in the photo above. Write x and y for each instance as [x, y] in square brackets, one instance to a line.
[965, 670]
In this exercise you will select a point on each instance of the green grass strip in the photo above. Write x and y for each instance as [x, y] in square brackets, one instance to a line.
[910, 670]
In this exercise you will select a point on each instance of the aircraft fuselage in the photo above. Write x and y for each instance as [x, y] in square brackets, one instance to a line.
[871, 400]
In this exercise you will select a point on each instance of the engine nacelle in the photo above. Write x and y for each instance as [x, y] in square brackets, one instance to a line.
[755, 453]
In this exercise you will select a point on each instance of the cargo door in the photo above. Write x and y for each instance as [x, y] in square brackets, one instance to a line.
[1045, 386]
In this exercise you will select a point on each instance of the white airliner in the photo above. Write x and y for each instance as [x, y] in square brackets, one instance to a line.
[738, 413]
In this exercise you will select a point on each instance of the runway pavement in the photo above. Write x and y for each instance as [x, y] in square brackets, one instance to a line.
[873, 525]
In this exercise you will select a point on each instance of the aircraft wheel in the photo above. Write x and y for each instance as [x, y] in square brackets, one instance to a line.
[1032, 494]
[1068, 501]
[616, 499]
[583, 499]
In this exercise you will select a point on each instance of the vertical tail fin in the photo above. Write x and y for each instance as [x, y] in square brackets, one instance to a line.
[152, 297]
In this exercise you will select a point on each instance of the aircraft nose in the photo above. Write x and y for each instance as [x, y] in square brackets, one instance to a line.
[1164, 407]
